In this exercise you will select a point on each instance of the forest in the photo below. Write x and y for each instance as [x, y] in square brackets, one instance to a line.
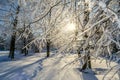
[59, 39]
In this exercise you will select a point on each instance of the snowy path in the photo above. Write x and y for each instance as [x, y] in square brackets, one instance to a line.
[23, 69]
[53, 70]
[37, 67]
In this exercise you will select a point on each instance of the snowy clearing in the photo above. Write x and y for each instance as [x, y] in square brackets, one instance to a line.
[56, 67]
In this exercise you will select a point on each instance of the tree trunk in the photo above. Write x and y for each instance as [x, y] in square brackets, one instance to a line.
[25, 51]
[36, 49]
[78, 54]
[87, 63]
[48, 48]
[13, 37]
[48, 40]
[12, 46]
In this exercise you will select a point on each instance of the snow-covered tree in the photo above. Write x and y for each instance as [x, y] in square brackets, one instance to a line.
[43, 20]
[97, 27]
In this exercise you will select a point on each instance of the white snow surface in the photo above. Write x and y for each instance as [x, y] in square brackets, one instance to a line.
[56, 67]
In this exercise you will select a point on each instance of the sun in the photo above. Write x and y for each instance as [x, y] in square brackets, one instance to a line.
[70, 27]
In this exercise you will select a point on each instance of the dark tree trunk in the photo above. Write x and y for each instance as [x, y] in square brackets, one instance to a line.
[12, 46]
[25, 51]
[48, 40]
[36, 49]
[87, 63]
[13, 37]
[78, 54]
[48, 48]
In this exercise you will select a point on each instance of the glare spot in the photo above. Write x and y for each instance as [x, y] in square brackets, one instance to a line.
[70, 27]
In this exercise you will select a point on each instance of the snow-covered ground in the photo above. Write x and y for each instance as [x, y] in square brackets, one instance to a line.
[57, 67]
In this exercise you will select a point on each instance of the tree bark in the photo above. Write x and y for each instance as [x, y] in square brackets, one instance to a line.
[87, 61]
[48, 48]
[36, 49]
[13, 37]
[12, 46]
[25, 51]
